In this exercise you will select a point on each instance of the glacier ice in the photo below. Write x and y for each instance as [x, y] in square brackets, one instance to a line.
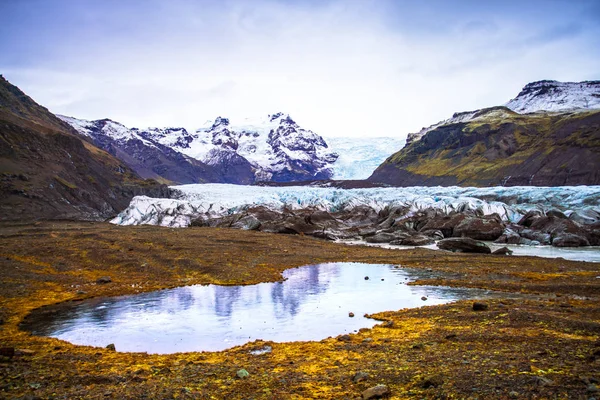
[214, 200]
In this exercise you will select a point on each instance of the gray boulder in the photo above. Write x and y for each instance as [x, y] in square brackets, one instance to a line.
[464, 245]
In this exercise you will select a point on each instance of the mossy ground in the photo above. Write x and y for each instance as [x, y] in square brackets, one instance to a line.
[547, 347]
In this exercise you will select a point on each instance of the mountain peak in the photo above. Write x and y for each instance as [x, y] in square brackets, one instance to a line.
[555, 96]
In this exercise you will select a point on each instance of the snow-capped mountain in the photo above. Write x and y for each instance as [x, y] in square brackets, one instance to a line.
[556, 96]
[546, 136]
[274, 148]
[358, 157]
[540, 96]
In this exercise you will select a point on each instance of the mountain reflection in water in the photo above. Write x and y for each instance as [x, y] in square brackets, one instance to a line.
[311, 304]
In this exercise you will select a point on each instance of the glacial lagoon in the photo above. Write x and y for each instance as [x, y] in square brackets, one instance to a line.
[312, 303]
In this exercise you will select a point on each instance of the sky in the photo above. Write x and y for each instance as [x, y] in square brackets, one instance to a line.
[340, 67]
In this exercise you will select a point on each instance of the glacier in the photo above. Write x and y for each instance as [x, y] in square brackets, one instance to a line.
[359, 157]
[214, 200]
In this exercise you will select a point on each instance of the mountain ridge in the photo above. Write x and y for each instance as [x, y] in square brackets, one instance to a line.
[500, 146]
[48, 170]
[275, 148]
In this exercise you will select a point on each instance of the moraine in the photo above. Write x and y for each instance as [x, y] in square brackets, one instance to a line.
[561, 216]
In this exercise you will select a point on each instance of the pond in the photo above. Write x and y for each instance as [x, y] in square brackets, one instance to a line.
[312, 303]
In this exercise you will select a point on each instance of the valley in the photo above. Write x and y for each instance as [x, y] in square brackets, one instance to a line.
[264, 200]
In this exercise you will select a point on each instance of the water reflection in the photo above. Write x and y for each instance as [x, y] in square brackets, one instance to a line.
[312, 303]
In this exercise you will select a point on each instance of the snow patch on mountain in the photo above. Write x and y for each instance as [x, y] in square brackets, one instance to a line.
[275, 145]
[359, 157]
[541, 96]
[553, 96]
[106, 127]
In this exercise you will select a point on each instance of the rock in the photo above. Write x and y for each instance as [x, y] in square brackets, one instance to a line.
[478, 306]
[247, 223]
[242, 373]
[376, 392]
[556, 214]
[509, 236]
[513, 395]
[385, 237]
[541, 237]
[344, 338]
[465, 245]
[592, 388]
[423, 298]
[103, 280]
[416, 240]
[351, 314]
[360, 376]
[433, 233]
[479, 228]
[444, 223]
[111, 347]
[569, 240]
[530, 217]
[366, 278]
[503, 251]
[432, 381]
[542, 381]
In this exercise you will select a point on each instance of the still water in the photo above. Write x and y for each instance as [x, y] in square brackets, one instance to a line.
[312, 303]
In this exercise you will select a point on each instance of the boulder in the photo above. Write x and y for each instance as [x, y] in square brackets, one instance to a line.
[103, 280]
[416, 240]
[385, 237]
[464, 245]
[444, 223]
[509, 236]
[531, 235]
[433, 233]
[479, 228]
[503, 251]
[530, 217]
[376, 392]
[569, 240]
[247, 223]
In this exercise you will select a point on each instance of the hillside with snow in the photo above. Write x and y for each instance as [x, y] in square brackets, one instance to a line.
[553, 96]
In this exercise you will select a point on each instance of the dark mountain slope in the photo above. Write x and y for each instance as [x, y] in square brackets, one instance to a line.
[497, 146]
[47, 170]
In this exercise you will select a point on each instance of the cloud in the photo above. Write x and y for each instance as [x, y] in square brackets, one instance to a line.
[340, 68]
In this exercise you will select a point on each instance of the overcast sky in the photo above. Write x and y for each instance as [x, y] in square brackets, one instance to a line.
[340, 68]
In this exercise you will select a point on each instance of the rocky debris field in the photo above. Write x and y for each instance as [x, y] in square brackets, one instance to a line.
[402, 226]
[543, 346]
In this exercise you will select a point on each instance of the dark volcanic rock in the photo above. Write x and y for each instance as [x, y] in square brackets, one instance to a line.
[416, 240]
[569, 240]
[479, 228]
[444, 223]
[464, 245]
[503, 251]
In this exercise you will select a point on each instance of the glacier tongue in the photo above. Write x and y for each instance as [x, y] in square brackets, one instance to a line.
[213, 200]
